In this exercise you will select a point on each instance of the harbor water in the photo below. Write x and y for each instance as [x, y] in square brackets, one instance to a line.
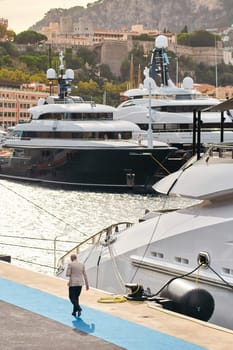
[39, 224]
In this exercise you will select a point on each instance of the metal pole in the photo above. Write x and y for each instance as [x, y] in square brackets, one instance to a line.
[222, 127]
[149, 131]
[194, 131]
[55, 253]
[198, 135]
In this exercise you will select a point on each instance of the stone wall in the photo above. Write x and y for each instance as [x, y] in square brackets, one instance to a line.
[208, 55]
[113, 54]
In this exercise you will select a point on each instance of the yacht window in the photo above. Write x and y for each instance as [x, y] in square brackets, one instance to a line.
[129, 104]
[125, 135]
[158, 126]
[18, 133]
[143, 126]
[91, 116]
[95, 116]
[157, 108]
[181, 260]
[158, 255]
[227, 271]
[180, 108]
[77, 116]
[52, 116]
[183, 97]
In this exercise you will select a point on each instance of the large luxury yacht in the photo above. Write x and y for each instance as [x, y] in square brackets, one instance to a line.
[171, 111]
[74, 142]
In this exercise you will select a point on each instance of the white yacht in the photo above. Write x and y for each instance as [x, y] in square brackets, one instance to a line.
[72, 142]
[169, 110]
[179, 259]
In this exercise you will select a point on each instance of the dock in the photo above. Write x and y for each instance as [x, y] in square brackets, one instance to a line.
[36, 314]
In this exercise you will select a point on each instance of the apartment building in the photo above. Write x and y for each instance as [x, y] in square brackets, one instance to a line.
[14, 105]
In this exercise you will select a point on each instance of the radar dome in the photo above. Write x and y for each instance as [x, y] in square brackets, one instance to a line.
[188, 83]
[161, 42]
[51, 74]
[70, 74]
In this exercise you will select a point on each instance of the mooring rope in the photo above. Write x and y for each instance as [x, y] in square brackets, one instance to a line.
[43, 209]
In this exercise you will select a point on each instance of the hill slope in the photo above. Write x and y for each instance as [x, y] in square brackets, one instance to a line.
[170, 14]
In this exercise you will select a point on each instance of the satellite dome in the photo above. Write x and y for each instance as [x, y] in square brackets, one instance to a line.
[51, 74]
[188, 83]
[161, 42]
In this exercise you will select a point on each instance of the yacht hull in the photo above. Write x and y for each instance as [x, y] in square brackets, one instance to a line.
[154, 252]
[127, 169]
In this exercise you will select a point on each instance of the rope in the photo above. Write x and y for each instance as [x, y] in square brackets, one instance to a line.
[31, 247]
[160, 164]
[112, 299]
[34, 263]
[115, 268]
[189, 273]
[37, 239]
[42, 209]
[98, 265]
[148, 244]
[220, 277]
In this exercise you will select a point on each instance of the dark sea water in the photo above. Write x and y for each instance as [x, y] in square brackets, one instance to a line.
[38, 224]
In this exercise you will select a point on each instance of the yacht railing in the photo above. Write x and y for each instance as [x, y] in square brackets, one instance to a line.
[104, 237]
[41, 254]
[24, 250]
[220, 151]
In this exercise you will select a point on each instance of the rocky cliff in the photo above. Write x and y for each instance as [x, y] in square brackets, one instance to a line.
[170, 14]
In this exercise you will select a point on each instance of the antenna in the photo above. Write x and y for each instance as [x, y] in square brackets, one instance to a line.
[216, 67]
[159, 60]
[63, 77]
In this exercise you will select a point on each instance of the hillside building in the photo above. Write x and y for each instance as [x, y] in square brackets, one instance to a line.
[14, 104]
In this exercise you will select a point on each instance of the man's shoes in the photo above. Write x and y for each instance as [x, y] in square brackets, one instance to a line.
[74, 314]
[79, 313]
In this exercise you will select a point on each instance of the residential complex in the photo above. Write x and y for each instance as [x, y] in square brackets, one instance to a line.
[14, 105]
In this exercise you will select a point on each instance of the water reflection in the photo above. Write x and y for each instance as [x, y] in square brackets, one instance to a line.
[50, 215]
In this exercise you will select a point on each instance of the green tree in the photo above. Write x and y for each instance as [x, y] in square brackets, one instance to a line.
[105, 72]
[13, 76]
[183, 39]
[143, 37]
[11, 35]
[185, 29]
[34, 63]
[9, 48]
[29, 37]
[87, 89]
[125, 69]
[88, 56]
[198, 38]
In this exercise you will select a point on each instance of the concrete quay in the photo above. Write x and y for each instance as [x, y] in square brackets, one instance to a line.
[36, 314]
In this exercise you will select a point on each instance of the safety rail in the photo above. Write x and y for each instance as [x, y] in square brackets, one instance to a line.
[43, 244]
[224, 150]
[104, 236]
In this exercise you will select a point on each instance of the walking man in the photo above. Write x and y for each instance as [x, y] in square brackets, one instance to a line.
[77, 278]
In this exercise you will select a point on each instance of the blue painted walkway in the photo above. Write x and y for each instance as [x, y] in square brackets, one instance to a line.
[99, 324]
